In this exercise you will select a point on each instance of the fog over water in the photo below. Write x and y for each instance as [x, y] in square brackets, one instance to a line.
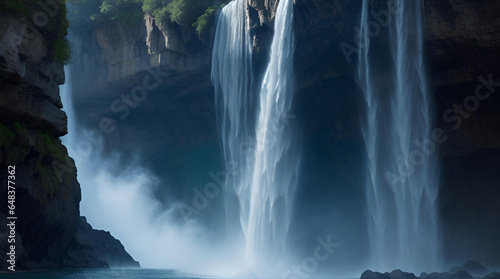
[120, 198]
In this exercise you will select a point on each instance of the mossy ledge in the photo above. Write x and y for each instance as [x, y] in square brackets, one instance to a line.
[48, 159]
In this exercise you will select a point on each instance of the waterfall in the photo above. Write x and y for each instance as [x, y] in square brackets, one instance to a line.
[232, 80]
[402, 181]
[257, 139]
[275, 166]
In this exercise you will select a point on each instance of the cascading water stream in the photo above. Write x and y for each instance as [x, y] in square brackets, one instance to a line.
[264, 185]
[402, 182]
[275, 167]
[232, 80]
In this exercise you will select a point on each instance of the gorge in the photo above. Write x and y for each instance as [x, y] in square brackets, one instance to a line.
[280, 129]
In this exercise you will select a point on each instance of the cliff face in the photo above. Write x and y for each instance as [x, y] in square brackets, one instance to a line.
[47, 193]
[33, 78]
[112, 54]
[461, 46]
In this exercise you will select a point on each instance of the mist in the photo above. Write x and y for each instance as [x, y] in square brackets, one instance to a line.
[120, 197]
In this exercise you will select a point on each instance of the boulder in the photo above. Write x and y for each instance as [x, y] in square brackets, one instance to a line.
[472, 267]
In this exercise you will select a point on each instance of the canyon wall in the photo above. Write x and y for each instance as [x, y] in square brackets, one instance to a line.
[49, 231]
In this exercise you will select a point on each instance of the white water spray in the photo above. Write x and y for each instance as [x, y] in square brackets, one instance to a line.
[120, 198]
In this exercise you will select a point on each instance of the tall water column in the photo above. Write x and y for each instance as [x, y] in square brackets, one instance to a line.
[258, 144]
[402, 179]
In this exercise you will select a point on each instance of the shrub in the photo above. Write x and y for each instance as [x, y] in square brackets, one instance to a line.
[49, 181]
[7, 136]
[130, 18]
[62, 50]
[161, 15]
[202, 22]
[184, 12]
[16, 6]
[149, 6]
[84, 14]
[115, 8]
[51, 146]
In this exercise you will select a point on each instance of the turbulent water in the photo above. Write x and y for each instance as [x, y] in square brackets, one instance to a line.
[257, 138]
[403, 182]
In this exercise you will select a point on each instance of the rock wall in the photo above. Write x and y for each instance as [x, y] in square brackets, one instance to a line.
[463, 45]
[31, 93]
[47, 193]
[112, 54]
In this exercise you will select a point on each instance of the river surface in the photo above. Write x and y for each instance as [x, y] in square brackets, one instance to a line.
[99, 273]
[107, 273]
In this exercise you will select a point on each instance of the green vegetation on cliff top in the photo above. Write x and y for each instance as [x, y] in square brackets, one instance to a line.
[202, 22]
[195, 13]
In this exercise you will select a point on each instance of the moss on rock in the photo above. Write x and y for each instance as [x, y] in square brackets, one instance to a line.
[43, 155]
[7, 137]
